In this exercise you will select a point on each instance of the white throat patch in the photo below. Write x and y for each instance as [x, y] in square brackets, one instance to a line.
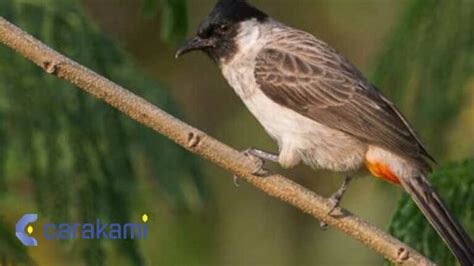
[248, 36]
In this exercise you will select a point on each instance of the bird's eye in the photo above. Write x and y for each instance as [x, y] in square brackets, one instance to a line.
[223, 28]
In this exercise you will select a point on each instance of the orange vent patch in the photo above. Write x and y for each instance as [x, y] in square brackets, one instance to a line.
[382, 171]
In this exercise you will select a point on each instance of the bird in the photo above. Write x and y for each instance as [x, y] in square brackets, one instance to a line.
[320, 109]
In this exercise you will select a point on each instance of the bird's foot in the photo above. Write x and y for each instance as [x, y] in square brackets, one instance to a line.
[336, 198]
[259, 157]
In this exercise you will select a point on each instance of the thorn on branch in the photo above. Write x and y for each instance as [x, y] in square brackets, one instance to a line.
[193, 140]
[402, 255]
[50, 67]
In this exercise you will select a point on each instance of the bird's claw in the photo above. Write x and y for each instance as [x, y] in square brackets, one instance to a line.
[258, 162]
[259, 166]
[236, 180]
[324, 226]
[333, 204]
[335, 200]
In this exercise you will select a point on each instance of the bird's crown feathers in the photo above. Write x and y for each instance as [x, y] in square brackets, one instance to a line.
[236, 11]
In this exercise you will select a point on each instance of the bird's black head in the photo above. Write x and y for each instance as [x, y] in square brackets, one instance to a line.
[216, 34]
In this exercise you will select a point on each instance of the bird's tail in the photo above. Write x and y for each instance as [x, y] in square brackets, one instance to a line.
[441, 219]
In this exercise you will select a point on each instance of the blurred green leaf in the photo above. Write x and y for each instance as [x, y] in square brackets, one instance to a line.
[455, 184]
[83, 158]
[428, 63]
[11, 250]
[174, 18]
[150, 7]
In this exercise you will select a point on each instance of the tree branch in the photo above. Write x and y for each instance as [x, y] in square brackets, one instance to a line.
[205, 146]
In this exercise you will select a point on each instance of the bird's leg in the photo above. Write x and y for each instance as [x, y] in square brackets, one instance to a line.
[336, 198]
[267, 156]
[260, 157]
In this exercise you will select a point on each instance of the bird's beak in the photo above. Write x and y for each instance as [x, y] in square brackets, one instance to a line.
[196, 43]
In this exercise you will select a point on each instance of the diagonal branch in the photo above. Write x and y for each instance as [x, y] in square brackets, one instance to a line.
[205, 146]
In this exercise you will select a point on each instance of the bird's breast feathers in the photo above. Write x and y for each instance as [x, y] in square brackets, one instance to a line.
[313, 102]
[298, 137]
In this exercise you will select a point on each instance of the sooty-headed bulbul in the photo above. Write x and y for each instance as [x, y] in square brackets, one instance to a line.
[320, 109]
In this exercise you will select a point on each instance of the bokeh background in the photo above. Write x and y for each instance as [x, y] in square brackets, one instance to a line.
[69, 157]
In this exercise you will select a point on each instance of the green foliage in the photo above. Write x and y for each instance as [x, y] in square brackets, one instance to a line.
[11, 248]
[83, 157]
[454, 182]
[427, 64]
[174, 19]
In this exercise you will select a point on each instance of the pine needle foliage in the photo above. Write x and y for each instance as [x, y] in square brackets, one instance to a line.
[455, 183]
[427, 65]
[82, 157]
[426, 68]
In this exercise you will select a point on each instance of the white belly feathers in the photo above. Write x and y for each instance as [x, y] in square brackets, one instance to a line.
[298, 137]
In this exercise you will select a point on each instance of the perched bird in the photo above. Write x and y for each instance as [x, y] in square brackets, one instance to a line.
[320, 109]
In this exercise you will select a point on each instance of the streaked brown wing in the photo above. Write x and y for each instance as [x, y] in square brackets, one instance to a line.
[307, 76]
